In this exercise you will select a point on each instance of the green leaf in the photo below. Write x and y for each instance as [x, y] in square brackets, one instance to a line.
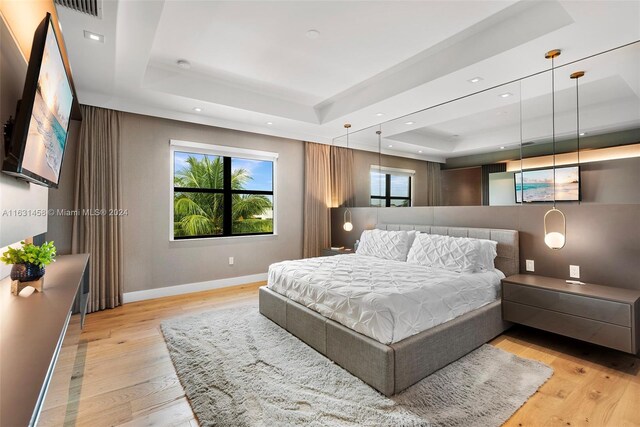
[29, 253]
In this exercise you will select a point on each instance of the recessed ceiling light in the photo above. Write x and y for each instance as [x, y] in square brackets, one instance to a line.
[379, 114]
[269, 123]
[184, 64]
[583, 133]
[390, 146]
[420, 151]
[313, 34]
[502, 148]
[475, 80]
[505, 95]
[93, 36]
[409, 123]
[197, 109]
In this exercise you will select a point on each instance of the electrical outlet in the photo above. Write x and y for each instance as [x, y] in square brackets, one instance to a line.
[531, 265]
[230, 260]
[574, 271]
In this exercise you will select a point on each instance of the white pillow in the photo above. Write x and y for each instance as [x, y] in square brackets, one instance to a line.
[488, 253]
[412, 236]
[384, 244]
[458, 254]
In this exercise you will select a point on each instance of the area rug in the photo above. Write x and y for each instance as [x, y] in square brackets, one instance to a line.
[240, 369]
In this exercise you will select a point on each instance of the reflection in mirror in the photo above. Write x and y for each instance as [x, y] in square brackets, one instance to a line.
[391, 187]
[468, 140]
[341, 159]
[597, 130]
[473, 150]
[346, 153]
[442, 155]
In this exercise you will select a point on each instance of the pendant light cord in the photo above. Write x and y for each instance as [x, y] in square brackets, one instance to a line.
[576, 76]
[348, 137]
[346, 203]
[379, 132]
[578, 125]
[521, 158]
[553, 125]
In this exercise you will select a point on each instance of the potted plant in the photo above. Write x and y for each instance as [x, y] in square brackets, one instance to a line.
[29, 261]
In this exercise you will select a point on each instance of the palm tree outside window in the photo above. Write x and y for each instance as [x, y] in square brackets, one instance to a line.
[221, 195]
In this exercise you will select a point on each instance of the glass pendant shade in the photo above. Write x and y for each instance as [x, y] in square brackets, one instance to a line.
[555, 239]
[347, 226]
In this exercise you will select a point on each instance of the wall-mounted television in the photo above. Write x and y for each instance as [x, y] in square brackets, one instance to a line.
[537, 185]
[37, 140]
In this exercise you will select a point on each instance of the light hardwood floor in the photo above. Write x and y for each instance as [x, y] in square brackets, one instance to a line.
[123, 374]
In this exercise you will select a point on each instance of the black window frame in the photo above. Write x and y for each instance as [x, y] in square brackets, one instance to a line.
[387, 193]
[227, 199]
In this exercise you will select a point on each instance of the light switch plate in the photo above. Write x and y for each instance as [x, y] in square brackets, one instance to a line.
[531, 265]
[574, 271]
[231, 260]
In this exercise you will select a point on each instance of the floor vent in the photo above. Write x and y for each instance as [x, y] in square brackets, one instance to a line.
[90, 7]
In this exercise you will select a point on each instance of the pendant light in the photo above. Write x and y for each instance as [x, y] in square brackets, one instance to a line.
[554, 239]
[347, 226]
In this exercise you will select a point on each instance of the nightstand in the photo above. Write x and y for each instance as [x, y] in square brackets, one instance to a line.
[332, 252]
[598, 314]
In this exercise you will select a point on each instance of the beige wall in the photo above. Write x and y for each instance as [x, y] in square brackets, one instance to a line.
[362, 162]
[23, 16]
[150, 259]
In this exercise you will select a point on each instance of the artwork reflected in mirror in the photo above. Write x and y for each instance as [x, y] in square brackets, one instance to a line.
[538, 185]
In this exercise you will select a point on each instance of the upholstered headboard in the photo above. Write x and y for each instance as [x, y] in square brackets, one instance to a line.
[508, 259]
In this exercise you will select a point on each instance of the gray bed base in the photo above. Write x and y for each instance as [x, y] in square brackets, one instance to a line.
[387, 368]
[392, 368]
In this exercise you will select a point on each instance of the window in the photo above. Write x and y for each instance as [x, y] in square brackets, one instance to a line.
[390, 187]
[221, 191]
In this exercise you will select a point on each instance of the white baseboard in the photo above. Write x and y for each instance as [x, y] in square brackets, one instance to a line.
[191, 287]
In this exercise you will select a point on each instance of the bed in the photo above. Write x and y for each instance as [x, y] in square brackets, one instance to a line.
[388, 322]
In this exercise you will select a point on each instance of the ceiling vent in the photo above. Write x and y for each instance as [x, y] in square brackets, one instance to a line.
[90, 7]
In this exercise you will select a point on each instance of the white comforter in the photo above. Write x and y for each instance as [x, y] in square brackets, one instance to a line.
[382, 299]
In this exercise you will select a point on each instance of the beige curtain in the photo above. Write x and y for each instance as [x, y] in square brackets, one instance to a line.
[98, 230]
[434, 184]
[342, 186]
[317, 198]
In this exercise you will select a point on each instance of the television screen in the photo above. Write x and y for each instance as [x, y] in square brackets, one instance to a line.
[49, 123]
[40, 132]
[537, 185]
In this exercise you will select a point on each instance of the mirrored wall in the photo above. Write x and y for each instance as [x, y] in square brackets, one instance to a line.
[496, 147]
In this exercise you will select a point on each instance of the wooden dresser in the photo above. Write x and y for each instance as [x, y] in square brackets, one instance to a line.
[38, 338]
[598, 314]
